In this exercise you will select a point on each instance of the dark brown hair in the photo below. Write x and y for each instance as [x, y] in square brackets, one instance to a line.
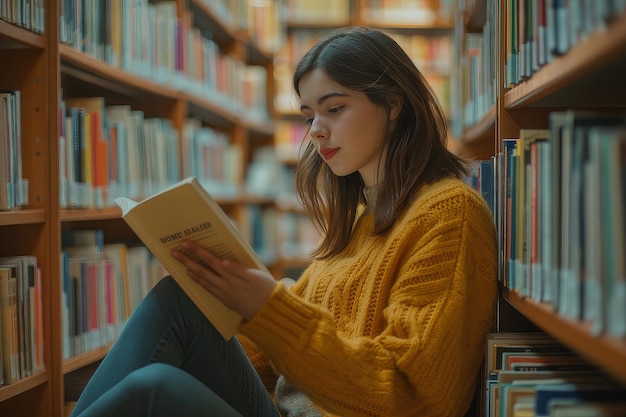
[370, 61]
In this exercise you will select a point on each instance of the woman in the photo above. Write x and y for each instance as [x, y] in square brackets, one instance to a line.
[390, 317]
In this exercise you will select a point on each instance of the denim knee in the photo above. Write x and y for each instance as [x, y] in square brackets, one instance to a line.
[153, 378]
[166, 285]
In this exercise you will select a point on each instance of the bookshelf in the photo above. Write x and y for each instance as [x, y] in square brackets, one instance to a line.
[553, 277]
[45, 60]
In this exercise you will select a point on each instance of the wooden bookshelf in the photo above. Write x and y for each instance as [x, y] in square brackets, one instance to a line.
[588, 76]
[26, 230]
[45, 69]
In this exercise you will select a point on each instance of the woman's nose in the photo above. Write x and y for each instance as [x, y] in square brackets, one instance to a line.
[318, 131]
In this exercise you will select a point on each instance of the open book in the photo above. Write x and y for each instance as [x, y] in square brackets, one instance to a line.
[187, 211]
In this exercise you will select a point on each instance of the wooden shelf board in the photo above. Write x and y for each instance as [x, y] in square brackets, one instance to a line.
[306, 24]
[435, 28]
[264, 129]
[84, 359]
[205, 18]
[96, 72]
[483, 129]
[22, 217]
[605, 352]
[72, 215]
[26, 384]
[12, 36]
[582, 68]
[292, 115]
[259, 200]
[210, 112]
[294, 262]
[475, 16]
[258, 55]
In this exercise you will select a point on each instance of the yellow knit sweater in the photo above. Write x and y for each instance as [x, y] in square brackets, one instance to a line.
[395, 326]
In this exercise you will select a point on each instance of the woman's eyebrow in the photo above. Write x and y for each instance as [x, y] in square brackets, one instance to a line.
[324, 98]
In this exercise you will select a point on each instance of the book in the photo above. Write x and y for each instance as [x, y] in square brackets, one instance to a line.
[593, 409]
[186, 210]
[96, 146]
[575, 393]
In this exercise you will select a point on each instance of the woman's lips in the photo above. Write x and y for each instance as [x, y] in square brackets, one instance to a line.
[328, 153]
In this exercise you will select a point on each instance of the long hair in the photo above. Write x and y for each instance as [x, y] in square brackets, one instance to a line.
[371, 62]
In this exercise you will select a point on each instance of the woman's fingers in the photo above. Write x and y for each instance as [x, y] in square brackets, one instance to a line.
[240, 288]
[203, 267]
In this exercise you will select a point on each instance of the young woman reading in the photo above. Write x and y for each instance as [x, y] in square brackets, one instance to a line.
[390, 317]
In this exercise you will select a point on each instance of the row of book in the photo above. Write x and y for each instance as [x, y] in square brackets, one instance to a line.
[297, 236]
[260, 20]
[532, 374]
[431, 54]
[21, 318]
[267, 175]
[102, 283]
[29, 14]
[379, 12]
[331, 12]
[566, 237]
[152, 41]
[475, 84]
[211, 157]
[537, 31]
[280, 231]
[111, 151]
[482, 177]
[13, 185]
[284, 227]
[560, 203]
[413, 12]
[264, 23]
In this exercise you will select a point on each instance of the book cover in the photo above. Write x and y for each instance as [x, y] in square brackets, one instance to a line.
[117, 255]
[590, 409]
[7, 331]
[96, 144]
[575, 393]
[187, 211]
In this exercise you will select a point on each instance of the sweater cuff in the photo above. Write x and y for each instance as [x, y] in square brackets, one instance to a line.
[282, 322]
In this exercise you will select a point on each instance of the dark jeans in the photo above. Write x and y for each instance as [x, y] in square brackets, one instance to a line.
[170, 361]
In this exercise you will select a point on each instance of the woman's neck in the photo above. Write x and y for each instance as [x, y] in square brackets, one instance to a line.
[371, 194]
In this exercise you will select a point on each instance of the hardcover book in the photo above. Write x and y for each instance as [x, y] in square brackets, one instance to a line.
[182, 211]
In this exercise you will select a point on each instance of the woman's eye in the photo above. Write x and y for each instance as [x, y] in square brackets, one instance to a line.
[335, 109]
[308, 121]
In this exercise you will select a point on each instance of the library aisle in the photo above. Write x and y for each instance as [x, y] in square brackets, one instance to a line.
[108, 98]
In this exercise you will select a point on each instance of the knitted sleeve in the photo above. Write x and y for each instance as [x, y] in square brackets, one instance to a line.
[259, 360]
[425, 359]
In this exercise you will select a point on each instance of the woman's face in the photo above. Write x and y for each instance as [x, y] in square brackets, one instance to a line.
[346, 128]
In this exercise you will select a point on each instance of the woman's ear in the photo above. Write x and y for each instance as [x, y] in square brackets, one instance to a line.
[396, 106]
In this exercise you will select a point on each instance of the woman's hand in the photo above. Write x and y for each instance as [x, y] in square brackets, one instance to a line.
[240, 288]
